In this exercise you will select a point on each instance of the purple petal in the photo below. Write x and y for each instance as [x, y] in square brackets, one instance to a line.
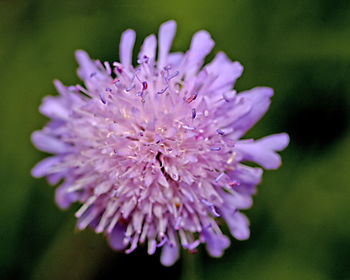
[170, 254]
[53, 107]
[87, 66]
[275, 142]
[60, 87]
[64, 199]
[43, 167]
[230, 114]
[166, 35]
[201, 46]
[260, 98]
[263, 151]
[247, 177]
[149, 47]
[126, 46]
[238, 224]
[48, 143]
[237, 200]
[216, 243]
[175, 58]
[227, 73]
[54, 178]
[116, 237]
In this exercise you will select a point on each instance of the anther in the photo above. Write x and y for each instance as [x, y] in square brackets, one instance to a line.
[192, 97]
[102, 97]
[234, 184]
[144, 85]
[115, 81]
[118, 67]
[215, 148]
[193, 113]
[145, 59]
[220, 131]
[164, 240]
[219, 177]
[93, 74]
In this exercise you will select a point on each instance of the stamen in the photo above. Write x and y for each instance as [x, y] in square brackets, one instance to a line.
[230, 160]
[108, 67]
[118, 67]
[193, 245]
[177, 225]
[163, 90]
[144, 85]
[206, 202]
[220, 131]
[215, 148]
[234, 184]
[213, 210]
[212, 207]
[192, 97]
[194, 113]
[133, 245]
[93, 74]
[219, 177]
[173, 75]
[130, 88]
[133, 79]
[164, 240]
[109, 89]
[145, 59]
[188, 127]
[85, 206]
[102, 97]
[83, 90]
[115, 81]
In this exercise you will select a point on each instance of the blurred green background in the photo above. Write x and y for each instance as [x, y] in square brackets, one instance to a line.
[300, 220]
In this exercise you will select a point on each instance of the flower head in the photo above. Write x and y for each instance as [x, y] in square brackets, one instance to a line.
[153, 152]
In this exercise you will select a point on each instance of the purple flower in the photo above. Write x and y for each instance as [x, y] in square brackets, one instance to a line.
[153, 152]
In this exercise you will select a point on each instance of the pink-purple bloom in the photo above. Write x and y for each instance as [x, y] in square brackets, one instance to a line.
[154, 152]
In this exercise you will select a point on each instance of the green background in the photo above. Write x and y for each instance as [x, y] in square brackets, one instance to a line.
[300, 219]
